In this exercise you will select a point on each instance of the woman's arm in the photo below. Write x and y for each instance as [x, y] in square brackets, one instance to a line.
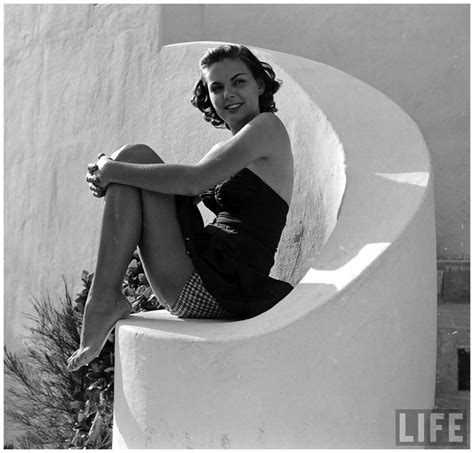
[262, 137]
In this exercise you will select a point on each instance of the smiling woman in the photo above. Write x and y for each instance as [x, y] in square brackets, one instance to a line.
[216, 271]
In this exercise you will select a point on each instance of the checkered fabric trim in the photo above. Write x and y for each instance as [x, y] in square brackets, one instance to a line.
[195, 302]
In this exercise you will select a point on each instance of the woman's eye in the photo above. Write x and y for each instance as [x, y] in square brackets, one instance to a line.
[215, 89]
[239, 81]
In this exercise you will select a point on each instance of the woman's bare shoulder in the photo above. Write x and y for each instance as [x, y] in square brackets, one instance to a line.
[270, 119]
[273, 128]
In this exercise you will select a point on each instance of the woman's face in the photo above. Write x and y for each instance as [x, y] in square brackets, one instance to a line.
[234, 92]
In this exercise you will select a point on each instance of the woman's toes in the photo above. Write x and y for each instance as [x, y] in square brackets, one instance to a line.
[96, 328]
[73, 362]
[72, 356]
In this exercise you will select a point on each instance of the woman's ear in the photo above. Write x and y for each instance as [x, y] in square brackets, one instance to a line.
[261, 86]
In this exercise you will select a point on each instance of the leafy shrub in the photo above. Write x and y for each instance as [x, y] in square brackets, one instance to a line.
[58, 409]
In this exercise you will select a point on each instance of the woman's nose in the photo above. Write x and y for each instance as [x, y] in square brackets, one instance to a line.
[228, 92]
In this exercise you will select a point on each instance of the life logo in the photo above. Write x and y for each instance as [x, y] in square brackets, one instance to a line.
[431, 428]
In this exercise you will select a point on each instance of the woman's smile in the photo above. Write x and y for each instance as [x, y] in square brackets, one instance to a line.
[233, 107]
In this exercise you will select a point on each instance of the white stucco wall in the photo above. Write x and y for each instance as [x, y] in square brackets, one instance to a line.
[77, 82]
[80, 79]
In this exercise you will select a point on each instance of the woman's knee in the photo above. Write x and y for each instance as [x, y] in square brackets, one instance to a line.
[136, 154]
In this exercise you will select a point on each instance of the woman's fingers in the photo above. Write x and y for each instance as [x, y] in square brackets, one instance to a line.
[92, 179]
[91, 168]
[97, 191]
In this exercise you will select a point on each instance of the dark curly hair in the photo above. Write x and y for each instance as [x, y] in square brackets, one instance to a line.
[259, 69]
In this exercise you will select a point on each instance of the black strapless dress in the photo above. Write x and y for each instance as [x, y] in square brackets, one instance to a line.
[234, 254]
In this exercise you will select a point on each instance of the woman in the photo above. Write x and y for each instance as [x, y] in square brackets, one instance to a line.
[217, 271]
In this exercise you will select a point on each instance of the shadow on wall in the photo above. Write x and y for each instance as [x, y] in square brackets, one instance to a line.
[387, 175]
[320, 178]
[392, 189]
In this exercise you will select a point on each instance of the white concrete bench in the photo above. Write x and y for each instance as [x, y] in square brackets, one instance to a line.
[355, 340]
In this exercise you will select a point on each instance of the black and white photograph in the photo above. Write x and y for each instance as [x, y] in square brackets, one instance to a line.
[236, 226]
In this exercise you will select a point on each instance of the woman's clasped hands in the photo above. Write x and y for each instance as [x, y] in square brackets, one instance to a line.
[96, 176]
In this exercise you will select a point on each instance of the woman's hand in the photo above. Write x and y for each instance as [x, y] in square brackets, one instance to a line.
[97, 176]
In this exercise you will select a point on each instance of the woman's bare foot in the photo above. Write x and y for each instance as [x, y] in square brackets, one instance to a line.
[100, 317]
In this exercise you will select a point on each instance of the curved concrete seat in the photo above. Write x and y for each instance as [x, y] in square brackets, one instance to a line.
[355, 340]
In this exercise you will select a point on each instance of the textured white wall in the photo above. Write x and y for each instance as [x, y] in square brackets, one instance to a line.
[418, 55]
[77, 82]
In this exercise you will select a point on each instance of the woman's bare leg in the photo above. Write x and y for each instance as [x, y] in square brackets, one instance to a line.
[132, 217]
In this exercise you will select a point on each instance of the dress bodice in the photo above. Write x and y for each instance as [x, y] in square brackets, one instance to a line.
[247, 203]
